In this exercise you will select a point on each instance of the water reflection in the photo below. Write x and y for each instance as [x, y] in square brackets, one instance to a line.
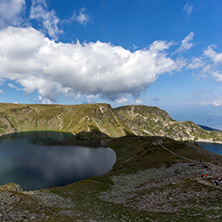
[35, 165]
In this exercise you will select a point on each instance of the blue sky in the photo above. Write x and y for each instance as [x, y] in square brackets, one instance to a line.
[164, 53]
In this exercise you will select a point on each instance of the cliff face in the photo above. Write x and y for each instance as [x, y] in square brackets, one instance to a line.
[114, 122]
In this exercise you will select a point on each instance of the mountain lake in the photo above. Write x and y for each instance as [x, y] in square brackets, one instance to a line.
[212, 147]
[38, 160]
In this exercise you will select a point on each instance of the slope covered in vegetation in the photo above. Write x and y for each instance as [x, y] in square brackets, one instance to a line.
[114, 122]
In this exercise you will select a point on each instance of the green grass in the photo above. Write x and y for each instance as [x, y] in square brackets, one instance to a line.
[115, 122]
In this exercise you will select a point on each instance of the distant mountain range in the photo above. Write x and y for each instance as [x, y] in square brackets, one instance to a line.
[137, 120]
[208, 128]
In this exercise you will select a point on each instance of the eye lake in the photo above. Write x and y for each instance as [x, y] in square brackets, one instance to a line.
[38, 160]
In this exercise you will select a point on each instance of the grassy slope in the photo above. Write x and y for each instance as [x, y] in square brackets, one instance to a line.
[117, 122]
[77, 118]
[135, 154]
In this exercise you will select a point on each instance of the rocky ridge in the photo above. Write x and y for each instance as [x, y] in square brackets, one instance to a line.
[137, 120]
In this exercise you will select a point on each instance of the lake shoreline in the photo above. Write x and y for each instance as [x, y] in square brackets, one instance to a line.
[205, 141]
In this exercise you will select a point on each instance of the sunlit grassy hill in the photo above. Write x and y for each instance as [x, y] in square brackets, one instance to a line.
[114, 122]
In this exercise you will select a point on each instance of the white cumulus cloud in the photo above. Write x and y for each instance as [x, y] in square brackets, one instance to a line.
[74, 69]
[10, 85]
[211, 53]
[213, 63]
[217, 76]
[215, 102]
[49, 20]
[81, 17]
[138, 101]
[44, 100]
[10, 12]
[196, 63]
[121, 100]
[186, 43]
[188, 8]
[209, 64]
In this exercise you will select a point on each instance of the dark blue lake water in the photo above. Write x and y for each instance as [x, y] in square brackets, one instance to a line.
[43, 160]
[213, 147]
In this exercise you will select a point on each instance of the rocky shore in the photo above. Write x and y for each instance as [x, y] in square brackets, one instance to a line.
[157, 190]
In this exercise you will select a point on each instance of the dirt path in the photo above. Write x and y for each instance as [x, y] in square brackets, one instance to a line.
[174, 153]
[209, 182]
[185, 158]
